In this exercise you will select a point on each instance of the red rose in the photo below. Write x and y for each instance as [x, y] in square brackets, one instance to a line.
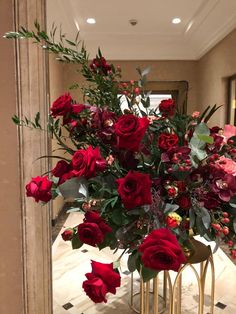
[100, 281]
[130, 130]
[167, 141]
[61, 168]
[77, 108]
[167, 107]
[184, 202]
[61, 106]
[67, 235]
[86, 162]
[90, 233]
[93, 229]
[135, 189]
[161, 251]
[40, 189]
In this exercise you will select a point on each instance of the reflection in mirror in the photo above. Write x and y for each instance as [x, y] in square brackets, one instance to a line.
[183, 69]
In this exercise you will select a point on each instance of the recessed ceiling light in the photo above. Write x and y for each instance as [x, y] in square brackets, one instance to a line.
[91, 20]
[176, 20]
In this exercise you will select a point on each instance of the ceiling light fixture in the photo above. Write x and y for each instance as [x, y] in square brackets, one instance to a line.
[91, 20]
[176, 20]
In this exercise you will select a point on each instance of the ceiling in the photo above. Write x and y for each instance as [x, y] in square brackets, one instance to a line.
[204, 24]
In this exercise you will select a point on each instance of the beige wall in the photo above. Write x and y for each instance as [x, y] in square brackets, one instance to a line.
[213, 70]
[160, 71]
[11, 268]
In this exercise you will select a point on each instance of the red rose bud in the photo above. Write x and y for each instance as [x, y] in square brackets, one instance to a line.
[161, 251]
[61, 168]
[40, 189]
[173, 220]
[67, 235]
[61, 106]
[100, 281]
[225, 214]
[172, 191]
[167, 107]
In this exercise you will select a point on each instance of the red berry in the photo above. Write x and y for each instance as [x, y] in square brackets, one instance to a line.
[226, 220]
[233, 253]
[175, 160]
[216, 227]
[230, 243]
[226, 230]
[137, 91]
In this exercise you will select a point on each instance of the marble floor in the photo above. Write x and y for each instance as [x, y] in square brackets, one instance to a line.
[69, 267]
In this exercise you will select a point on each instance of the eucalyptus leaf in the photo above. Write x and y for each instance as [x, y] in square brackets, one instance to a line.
[132, 261]
[76, 243]
[147, 273]
[168, 208]
[234, 224]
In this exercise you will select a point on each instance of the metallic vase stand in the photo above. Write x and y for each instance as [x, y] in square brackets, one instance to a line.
[148, 300]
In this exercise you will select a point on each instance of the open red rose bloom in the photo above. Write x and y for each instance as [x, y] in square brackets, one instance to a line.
[145, 179]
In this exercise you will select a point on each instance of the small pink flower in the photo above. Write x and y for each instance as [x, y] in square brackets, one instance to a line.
[195, 114]
[227, 165]
[110, 159]
[229, 131]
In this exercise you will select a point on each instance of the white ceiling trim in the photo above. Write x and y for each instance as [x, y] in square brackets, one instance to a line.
[217, 37]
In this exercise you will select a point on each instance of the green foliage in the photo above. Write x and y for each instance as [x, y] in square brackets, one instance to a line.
[75, 242]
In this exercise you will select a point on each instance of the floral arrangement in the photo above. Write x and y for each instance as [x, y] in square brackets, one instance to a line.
[147, 180]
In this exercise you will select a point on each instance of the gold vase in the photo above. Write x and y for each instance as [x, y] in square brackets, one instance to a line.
[147, 300]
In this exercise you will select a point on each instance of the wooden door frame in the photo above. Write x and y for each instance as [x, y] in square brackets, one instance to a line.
[32, 88]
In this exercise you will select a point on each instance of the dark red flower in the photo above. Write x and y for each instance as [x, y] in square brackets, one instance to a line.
[224, 185]
[184, 202]
[100, 281]
[86, 162]
[130, 131]
[62, 106]
[100, 65]
[103, 121]
[161, 251]
[211, 200]
[40, 189]
[167, 141]
[167, 107]
[93, 229]
[135, 189]
[61, 168]
[67, 235]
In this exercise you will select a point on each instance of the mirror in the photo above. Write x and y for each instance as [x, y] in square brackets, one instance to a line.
[188, 62]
